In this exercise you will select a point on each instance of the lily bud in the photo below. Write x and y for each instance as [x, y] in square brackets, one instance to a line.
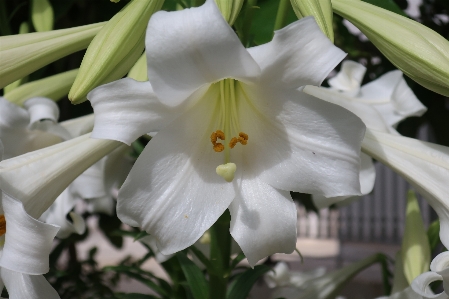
[139, 71]
[415, 249]
[230, 9]
[42, 15]
[24, 28]
[38, 178]
[418, 51]
[24, 53]
[320, 9]
[115, 49]
[54, 87]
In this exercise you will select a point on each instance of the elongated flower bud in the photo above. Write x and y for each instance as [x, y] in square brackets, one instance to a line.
[415, 249]
[115, 49]
[37, 178]
[54, 87]
[42, 15]
[24, 28]
[421, 53]
[23, 54]
[230, 9]
[139, 71]
[320, 9]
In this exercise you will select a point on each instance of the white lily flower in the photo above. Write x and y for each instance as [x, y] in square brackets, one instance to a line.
[324, 286]
[381, 104]
[58, 212]
[25, 244]
[24, 130]
[281, 276]
[207, 94]
[426, 167]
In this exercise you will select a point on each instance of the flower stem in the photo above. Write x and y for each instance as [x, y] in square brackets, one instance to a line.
[220, 252]
[281, 16]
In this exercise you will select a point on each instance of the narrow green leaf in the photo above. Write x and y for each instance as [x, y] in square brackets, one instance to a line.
[195, 278]
[206, 262]
[433, 233]
[241, 256]
[388, 5]
[241, 288]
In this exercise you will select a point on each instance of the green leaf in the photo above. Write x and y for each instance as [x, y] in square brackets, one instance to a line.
[433, 233]
[241, 256]
[206, 262]
[195, 278]
[244, 282]
[388, 5]
[109, 224]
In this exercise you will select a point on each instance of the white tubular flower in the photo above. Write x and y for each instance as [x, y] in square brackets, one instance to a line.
[426, 167]
[381, 104]
[281, 276]
[25, 244]
[24, 130]
[214, 103]
[324, 286]
[58, 212]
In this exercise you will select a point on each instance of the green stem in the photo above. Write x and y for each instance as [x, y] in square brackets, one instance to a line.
[220, 252]
[248, 20]
[281, 17]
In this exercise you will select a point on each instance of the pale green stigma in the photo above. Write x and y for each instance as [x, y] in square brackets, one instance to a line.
[226, 171]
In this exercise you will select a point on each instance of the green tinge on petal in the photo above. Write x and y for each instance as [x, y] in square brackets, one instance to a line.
[115, 49]
[320, 9]
[230, 9]
[25, 53]
[139, 71]
[418, 51]
[399, 281]
[415, 244]
[42, 15]
[54, 87]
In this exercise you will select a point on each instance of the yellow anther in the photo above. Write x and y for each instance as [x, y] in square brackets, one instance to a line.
[2, 225]
[243, 139]
[218, 147]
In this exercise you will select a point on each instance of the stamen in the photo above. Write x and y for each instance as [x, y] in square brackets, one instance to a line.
[218, 147]
[243, 139]
[2, 225]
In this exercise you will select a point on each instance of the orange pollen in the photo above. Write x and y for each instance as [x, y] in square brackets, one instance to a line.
[218, 147]
[243, 139]
[2, 225]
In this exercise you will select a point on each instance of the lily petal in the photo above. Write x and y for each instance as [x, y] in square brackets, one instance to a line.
[28, 241]
[79, 126]
[263, 219]
[421, 286]
[170, 192]
[200, 48]
[41, 108]
[349, 78]
[21, 177]
[369, 115]
[299, 54]
[126, 109]
[21, 286]
[424, 165]
[299, 143]
[367, 179]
